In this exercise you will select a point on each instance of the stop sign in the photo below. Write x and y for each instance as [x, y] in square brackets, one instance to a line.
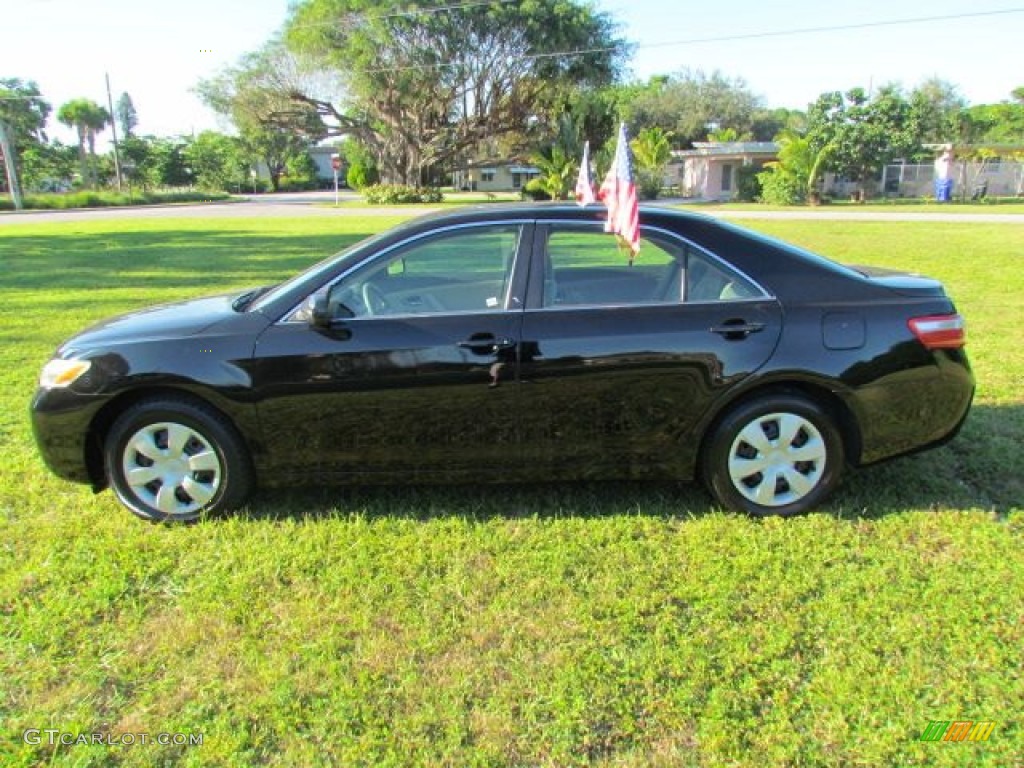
[335, 162]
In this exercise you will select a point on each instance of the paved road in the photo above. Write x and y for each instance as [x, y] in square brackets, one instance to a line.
[321, 204]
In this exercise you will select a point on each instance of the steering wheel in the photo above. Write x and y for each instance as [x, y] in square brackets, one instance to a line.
[374, 300]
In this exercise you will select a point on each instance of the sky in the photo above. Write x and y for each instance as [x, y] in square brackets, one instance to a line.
[787, 53]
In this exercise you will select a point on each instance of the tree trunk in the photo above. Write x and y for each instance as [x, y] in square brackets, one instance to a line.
[7, 150]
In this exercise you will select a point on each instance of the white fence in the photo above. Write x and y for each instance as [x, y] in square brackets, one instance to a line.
[995, 178]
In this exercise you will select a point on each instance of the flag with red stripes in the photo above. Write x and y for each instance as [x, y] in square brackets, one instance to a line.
[618, 193]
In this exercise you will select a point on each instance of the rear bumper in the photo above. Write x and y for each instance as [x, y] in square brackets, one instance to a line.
[915, 409]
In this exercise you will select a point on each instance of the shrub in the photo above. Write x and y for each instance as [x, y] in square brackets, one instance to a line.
[649, 184]
[748, 184]
[399, 194]
[530, 192]
[360, 175]
[781, 188]
[104, 198]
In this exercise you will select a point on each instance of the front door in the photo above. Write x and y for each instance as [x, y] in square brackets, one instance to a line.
[414, 375]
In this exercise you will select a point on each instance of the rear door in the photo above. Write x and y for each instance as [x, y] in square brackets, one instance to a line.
[620, 359]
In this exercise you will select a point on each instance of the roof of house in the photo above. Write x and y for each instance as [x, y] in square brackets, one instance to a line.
[730, 149]
[514, 165]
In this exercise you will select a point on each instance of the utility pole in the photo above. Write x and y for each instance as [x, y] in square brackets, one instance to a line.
[7, 150]
[113, 127]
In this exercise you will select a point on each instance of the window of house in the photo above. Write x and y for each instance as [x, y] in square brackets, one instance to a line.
[487, 176]
[727, 177]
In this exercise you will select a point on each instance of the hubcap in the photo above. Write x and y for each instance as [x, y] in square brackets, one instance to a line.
[171, 468]
[777, 459]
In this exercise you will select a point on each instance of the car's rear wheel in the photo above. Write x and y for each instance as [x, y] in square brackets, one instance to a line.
[175, 460]
[776, 455]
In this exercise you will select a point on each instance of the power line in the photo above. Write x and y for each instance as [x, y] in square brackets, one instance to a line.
[731, 37]
[835, 28]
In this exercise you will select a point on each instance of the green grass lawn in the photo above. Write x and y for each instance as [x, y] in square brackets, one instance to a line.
[596, 624]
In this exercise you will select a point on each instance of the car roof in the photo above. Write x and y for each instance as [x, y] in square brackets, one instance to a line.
[785, 270]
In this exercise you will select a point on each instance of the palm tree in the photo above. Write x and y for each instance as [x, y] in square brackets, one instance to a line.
[652, 151]
[88, 118]
[557, 173]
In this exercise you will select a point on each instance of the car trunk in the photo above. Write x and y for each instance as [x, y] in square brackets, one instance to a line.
[904, 283]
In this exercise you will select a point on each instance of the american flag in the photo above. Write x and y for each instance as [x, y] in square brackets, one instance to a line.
[584, 186]
[618, 193]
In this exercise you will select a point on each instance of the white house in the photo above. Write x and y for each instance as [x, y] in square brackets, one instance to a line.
[494, 176]
[708, 171]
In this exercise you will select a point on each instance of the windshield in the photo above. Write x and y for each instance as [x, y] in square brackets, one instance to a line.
[310, 274]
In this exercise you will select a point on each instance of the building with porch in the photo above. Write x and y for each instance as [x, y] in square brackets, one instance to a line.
[494, 175]
[709, 170]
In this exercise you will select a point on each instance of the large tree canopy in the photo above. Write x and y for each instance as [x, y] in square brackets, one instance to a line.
[691, 105]
[23, 110]
[859, 134]
[23, 114]
[273, 127]
[425, 85]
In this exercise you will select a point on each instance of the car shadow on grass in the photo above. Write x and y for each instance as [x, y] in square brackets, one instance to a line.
[982, 468]
[584, 499]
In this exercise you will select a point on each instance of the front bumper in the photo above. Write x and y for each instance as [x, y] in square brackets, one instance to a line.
[61, 423]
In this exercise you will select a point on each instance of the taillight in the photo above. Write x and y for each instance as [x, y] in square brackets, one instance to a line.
[939, 331]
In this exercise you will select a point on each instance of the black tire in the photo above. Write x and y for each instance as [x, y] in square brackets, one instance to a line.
[188, 461]
[794, 441]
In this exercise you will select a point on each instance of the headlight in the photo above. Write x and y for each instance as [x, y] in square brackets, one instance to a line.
[62, 373]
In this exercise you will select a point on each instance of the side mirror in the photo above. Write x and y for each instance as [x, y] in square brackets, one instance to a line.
[323, 313]
[320, 314]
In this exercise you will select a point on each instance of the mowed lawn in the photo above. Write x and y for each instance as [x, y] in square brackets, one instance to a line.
[569, 625]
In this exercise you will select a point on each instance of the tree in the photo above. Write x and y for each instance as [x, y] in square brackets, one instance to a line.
[769, 123]
[859, 135]
[422, 88]
[558, 171]
[794, 177]
[23, 113]
[127, 117]
[1001, 123]
[217, 161]
[692, 104]
[139, 161]
[652, 153]
[936, 108]
[48, 167]
[170, 162]
[274, 129]
[362, 167]
[88, 118]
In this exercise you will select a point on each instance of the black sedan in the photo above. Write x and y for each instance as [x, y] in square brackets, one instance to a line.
[516, 343]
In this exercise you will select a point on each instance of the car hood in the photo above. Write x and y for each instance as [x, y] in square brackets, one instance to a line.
[165, 321]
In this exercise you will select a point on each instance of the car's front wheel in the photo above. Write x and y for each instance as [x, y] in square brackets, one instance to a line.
[172, 459]
[776, 455]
